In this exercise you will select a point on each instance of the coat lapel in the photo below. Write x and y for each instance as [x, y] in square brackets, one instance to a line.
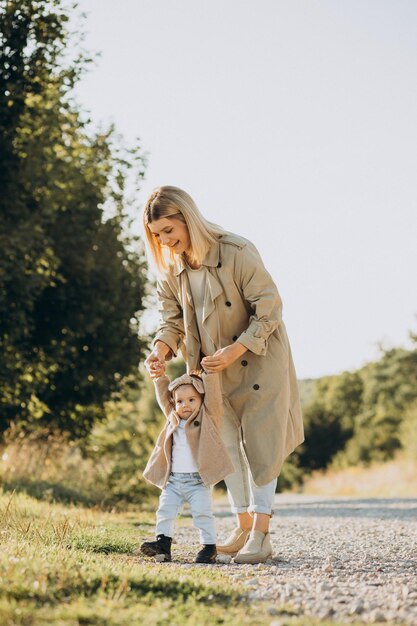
[210, 313]
[213, 290]
[190, 320]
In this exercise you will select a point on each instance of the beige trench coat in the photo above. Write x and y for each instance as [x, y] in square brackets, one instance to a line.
[260, 390]
[201, 429]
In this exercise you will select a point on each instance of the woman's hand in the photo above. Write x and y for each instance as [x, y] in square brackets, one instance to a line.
[223, 357]
[155, 363]
[157, 369]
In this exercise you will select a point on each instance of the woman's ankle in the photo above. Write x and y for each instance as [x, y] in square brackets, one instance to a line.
[261, 522]
[245, 521]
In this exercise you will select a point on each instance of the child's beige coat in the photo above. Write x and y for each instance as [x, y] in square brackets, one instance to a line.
[201, 429]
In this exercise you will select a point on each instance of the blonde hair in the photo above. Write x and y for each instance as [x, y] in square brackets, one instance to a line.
[174, 203]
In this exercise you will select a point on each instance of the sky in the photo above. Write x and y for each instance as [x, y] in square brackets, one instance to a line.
[292, 123]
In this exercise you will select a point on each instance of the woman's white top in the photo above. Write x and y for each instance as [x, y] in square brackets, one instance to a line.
[197, 280]
[182, 459]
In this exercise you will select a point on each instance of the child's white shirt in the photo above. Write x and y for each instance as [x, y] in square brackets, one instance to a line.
[182, 459]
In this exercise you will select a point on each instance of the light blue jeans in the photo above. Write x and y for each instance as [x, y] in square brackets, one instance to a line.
[244, 496]
[186, 487]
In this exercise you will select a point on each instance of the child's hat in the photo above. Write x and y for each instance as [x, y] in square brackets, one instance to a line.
[186, 379]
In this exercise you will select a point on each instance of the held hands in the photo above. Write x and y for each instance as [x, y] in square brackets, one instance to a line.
[157, 369]
[223, 357]
[155, 363]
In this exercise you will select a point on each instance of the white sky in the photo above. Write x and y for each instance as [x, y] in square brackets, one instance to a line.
[294, 124]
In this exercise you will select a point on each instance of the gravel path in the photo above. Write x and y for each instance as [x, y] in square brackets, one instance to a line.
[342, 559]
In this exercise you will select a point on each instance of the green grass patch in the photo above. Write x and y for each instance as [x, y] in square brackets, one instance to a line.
[68, 565]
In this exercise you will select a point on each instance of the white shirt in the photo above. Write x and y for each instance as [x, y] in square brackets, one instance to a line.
[197, 280]
[182, 459]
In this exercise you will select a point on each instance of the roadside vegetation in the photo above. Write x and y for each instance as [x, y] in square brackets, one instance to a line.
[392, 479]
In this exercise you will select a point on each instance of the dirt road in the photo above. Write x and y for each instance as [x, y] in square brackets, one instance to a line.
[340, 559]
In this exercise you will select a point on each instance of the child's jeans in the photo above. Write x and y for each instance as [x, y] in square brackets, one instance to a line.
[186, 487]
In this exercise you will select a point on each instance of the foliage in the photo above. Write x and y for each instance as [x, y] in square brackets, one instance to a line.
[291, 475]
[105, 469]
[71, 281]
[50, 466]
[306, 388]
[395, 478]
[408, 431]
[364, 416]
[390, 388]
[329, 418]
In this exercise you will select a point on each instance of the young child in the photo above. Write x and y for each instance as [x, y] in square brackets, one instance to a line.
[189, 457]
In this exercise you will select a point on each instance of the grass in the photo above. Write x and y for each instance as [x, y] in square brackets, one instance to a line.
[69, 566]
[72, 566]
[391, 479]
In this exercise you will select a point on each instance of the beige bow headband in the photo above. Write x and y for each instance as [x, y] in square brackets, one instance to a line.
[186, 379]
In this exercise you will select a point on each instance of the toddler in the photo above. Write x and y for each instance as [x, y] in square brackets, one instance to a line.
[189, 457]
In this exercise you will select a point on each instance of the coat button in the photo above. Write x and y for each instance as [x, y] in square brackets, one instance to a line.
[244, 363]
[227, 303]
[256, 387]
[219, 264]
[196, 423]
[234, 338]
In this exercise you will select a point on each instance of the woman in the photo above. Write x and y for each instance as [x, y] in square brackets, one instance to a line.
[221, 308]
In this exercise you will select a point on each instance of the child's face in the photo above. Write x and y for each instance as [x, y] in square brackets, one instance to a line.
[187, 399]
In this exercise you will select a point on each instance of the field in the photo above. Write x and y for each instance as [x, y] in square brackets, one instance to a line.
[392, 479]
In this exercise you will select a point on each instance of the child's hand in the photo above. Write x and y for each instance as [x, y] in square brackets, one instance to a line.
[157, 369]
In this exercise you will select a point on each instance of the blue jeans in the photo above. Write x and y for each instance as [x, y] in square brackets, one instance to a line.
[186, 487]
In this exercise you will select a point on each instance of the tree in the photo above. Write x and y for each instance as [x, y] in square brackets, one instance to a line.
[72, 281]
[390, 388]
[329, 418]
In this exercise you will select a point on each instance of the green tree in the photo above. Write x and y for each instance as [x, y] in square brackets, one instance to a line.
[408, 431]
[72, 277]
[390, 388]
[329, 418]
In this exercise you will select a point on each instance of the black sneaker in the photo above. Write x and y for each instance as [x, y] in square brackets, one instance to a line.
[159, 548]
[207, 554]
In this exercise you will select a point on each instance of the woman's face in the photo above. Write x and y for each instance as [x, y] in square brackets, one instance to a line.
[172, 233]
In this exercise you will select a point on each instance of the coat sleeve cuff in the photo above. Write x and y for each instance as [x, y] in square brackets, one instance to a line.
[170, 339]
[257, 345]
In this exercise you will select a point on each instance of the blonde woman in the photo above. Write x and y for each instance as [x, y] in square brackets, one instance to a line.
[221, 308]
